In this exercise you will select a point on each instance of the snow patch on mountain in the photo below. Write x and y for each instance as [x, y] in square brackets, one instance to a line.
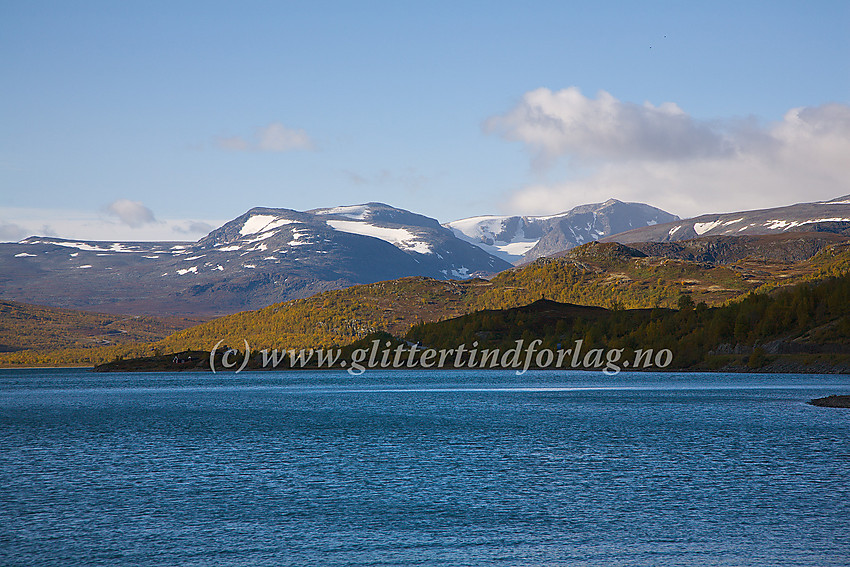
[262, 223]
[519, 239]
[356, 212]
[399, 237]
[703, 227]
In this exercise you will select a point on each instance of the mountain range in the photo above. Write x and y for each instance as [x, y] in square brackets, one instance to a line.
[824, 216]
[271, 255]
[261, 257]
[521, 239]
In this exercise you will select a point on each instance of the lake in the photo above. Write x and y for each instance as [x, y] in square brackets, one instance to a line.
[446, 468]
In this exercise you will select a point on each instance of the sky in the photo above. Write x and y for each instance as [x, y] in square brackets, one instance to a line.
[161, 120]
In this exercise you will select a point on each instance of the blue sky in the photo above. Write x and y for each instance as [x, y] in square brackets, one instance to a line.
[143, 120]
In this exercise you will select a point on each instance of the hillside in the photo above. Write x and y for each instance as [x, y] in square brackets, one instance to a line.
[598, 274]
[805, 323]
[826, 216]
[37, 327]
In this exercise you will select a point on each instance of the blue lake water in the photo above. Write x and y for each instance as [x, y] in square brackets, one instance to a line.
[408, 468]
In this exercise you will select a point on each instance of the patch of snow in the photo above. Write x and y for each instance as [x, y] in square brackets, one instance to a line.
[834, 219]
[462, 273]
[219, 268]
[151, 257]
[515, 248]
[674, 230]
[356, 212]
[75, 254]
[192, 270]
[478, 230]
[263, 236]
[25, 255]
[194, 258]
[398, 237]
[80, 245]
[262, 223]
[727, 223]
[114, 247]
[703, 227]
[478, 227]
[548, 217]
[84, 266]
[249, 266]
[296, 238]
[651, 222]
[228, 248]
[780, 224]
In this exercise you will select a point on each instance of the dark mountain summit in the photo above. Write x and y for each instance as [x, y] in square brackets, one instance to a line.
[261, 257]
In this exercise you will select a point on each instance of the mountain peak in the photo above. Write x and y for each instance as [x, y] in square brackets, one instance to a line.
[263, 256]
[520, 239]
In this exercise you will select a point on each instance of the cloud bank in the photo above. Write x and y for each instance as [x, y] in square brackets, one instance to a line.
[662, 156]
[132, 213]
[272, 138]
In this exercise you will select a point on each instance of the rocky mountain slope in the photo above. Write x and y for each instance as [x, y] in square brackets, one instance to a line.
[261, 257]
[825, 216]
[519, 239]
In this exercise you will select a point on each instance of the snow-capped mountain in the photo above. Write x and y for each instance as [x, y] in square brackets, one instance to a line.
[261, 257]
[823, 216]
[520, 239]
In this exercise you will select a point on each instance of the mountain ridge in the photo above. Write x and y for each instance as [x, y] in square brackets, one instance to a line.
[821, 216]
[266, 255]
[521, 239]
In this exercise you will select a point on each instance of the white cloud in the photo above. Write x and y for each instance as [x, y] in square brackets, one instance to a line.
[565, 122]
[662, 156]
[132, 213]
[278, 138]
[193, 227]
[272, 138]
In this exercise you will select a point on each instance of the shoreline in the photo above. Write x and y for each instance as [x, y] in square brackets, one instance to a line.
[785, 368]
